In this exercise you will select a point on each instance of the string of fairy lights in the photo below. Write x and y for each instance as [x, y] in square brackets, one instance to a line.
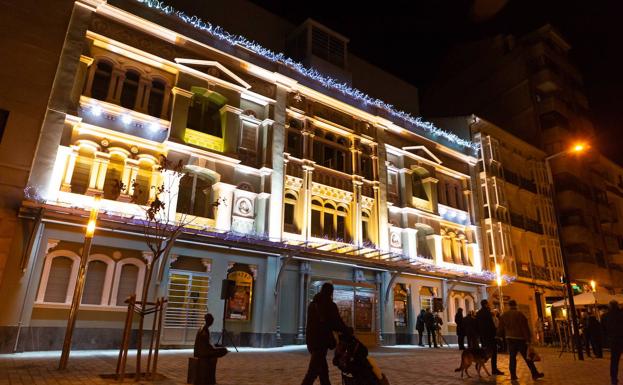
[310, 73]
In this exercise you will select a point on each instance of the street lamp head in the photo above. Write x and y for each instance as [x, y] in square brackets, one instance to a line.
[579, 147]
[593, 285]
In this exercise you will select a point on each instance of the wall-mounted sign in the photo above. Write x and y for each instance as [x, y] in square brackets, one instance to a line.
[240, 305]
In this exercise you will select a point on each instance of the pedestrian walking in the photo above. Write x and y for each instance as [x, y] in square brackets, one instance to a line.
[487, 333]
[460, 330]
[419, 326]
[438, 336]
[431, 329]
[471, 330]
[323, 318]
[515, 329]
[613, 327]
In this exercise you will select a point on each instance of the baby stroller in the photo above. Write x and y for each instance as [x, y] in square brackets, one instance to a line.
[351, 357]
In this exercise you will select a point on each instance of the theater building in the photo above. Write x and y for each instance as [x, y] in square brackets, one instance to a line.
[290, 180]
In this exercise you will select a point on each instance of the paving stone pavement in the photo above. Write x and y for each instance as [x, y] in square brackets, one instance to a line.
[286, 366]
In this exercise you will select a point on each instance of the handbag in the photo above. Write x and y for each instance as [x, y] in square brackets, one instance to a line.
[533, 355]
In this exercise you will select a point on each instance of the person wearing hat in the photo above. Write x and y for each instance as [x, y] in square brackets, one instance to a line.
[613, 327]
[514, 327]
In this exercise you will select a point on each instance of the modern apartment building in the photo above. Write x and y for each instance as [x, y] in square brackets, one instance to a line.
[290, 178]
[528, 86]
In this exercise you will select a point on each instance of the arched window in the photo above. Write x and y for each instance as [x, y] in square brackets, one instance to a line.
[127, 283]
[329, 221]
[195, 196]
[289, 218]
[204, 114]
[114, 174]
[156, 99]
[142, 184]
[82, 170]
[58, 280]
[101, 80]
[365, 226]
[95, 283]
[130, 89]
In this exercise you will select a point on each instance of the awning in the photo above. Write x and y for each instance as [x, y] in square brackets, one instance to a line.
[587, 299]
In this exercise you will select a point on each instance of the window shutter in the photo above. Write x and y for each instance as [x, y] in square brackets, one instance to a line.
[127, 283]
[58, 280]
[94, 285]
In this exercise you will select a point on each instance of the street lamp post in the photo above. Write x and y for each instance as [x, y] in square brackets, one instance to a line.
[498, 279]
[565, 266]
[77, 297]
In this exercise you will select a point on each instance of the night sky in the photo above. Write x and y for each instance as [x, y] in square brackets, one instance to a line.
[382, 32]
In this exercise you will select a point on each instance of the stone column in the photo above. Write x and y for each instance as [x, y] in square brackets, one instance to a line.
[305, 195]
[80, 79]
[154, 181]
[356, 211]
[430, 186]
[406, 192]
[101, 174]
[300, 334]
[142, 96]
[132, 164]
[165, 102]
[434, 244]
[69, 171]
[116, 86]
[275, 221]
[171, 181]
[225, 197]
[410, 247]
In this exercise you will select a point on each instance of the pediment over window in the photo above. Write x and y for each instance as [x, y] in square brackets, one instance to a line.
[213, 69]
[422, 152]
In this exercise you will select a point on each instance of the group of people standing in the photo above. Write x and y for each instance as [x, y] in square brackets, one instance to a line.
[432, 322]
[487, 327]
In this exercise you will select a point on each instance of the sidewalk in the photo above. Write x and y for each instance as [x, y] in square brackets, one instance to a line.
[404, 365]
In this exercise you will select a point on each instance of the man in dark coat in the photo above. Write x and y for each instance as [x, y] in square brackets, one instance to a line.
[207, 354]
[594, 335]
[613, 327]
[431, 327]
[471, 330]
[419, 325]
[487, 332]
[460, 330]
[323, 317]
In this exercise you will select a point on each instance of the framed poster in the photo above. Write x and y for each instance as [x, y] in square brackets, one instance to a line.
[240, 305]
[363, 311]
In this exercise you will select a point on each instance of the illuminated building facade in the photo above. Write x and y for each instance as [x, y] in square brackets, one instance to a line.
[292, 179]
[528, 85]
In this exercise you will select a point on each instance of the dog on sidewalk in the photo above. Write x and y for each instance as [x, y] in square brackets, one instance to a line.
[478, 356]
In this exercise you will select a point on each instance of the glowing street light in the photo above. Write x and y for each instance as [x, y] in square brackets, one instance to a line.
[77, 297]
[577, 148]
[593, 286]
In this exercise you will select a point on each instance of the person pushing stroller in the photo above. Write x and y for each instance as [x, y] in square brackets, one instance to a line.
[351, 357]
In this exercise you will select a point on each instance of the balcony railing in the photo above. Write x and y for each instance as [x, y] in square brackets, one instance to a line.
[204, 140]
[332, 178]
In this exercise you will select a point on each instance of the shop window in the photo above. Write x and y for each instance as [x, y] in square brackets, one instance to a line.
[129, 90]
[155, 104]
[127, 283]
[195, 196]
[94, 283]
[204, 114]
[101, 80]
[58, 280]
[401, 307]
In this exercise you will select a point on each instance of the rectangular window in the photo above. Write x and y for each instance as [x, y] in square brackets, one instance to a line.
[4, 118]
[316, 228]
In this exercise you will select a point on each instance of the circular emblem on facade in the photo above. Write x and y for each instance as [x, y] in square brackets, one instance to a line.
[134, 150]
[245, 207]
[104, 142]
[395, 240]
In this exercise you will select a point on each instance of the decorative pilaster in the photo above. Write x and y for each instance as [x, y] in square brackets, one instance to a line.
[101, 173]
[306, 196]
[225, 197]
[69, 170]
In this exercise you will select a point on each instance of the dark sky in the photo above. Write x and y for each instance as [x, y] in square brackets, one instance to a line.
[383, 31]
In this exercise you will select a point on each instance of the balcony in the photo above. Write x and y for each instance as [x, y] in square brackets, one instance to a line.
[204, 140]
[332, 178]
[546, 80]
[453, 215]
[528, 224]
